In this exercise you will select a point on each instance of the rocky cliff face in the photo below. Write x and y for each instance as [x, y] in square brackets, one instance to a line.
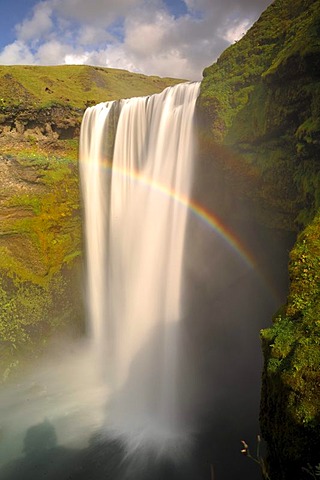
[44, 126]
[259, 122]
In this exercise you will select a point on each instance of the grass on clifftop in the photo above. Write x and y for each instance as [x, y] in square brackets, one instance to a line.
[75, 85]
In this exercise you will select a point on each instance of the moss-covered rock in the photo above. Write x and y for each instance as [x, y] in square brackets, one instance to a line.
[290, 406]
[40, 252]
[259, 119]
[261, 101]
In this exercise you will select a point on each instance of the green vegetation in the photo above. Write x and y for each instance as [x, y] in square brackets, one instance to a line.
[290, 409]
[74, 85]
[259, 119]
[40, 249]
[41, 108]
[261, 101]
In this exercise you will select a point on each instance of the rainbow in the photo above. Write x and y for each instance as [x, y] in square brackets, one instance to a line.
[198, 210]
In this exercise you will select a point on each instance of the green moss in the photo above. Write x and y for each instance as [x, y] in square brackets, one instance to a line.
[305, 272]
[239, 68]
[262, 99]
[290, 409]
[260, 103]
[26, 201]
[40, 248]
[295, 47]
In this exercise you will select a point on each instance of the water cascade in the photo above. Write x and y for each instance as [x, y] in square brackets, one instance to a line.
[136, 168]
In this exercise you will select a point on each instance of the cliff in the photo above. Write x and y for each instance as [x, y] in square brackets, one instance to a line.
[260, 102]
[259, 120]
[42, 107]
[40, 234]
[290, 404]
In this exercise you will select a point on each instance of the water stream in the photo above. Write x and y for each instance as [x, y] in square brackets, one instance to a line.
[136, 169]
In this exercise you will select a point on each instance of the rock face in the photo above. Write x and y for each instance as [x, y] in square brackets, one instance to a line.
[290, 404]
[41, 284]
[40, 253]
[260, 104]
[259, 120]
[45, 124]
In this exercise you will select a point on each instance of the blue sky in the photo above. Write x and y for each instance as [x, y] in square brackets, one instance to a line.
[13, 12]
[157, 37]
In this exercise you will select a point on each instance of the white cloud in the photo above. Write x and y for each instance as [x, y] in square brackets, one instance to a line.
[148, 37]
[75, 59]
[39, 24]
[89, 35]
[138, 35]
[16, 53]
[52, 52]
[236, 31]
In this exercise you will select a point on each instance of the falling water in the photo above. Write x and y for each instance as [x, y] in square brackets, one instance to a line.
[136, 168]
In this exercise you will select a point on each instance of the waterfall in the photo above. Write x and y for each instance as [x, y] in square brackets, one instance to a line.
[136, 168]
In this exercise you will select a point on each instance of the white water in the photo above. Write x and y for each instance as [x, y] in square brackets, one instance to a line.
[135, 221]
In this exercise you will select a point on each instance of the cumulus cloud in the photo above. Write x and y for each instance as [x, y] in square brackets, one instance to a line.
[93, 36]
[51, 52]
[75, 59]
[38, 25]
[139, 35]
[145, 38]
[16, 53]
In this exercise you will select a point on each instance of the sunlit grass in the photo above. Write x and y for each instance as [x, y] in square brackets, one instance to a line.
[74, 85]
